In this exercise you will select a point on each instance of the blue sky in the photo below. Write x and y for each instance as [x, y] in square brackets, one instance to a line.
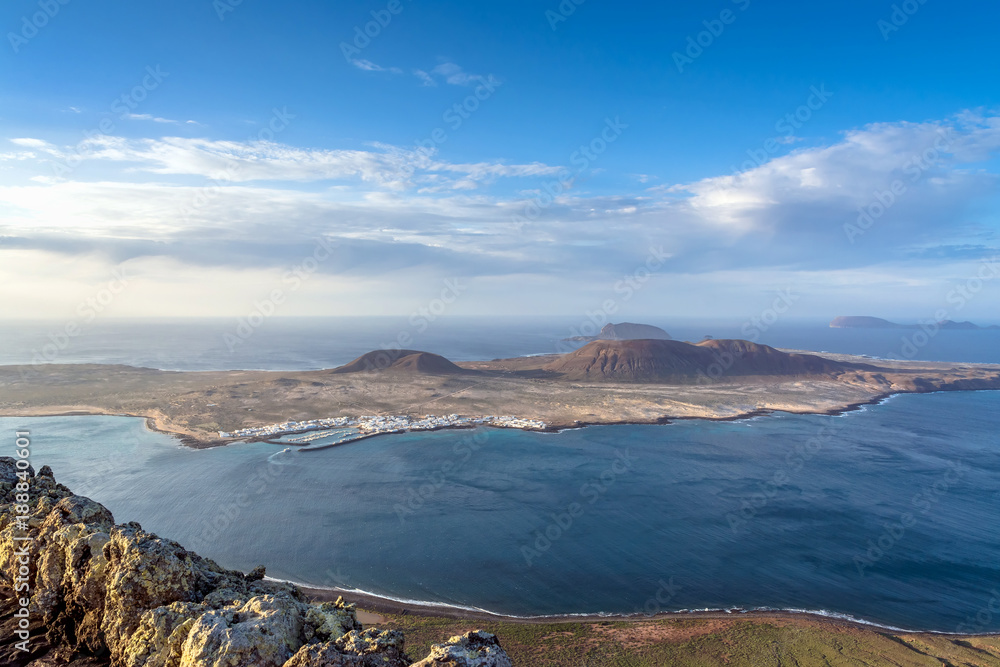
[205, 149]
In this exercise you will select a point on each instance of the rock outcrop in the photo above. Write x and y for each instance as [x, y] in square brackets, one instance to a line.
[102, 594]
[473, 649]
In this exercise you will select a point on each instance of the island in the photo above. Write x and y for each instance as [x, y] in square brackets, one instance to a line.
[866, 322]
[626, 331]
[643, 381]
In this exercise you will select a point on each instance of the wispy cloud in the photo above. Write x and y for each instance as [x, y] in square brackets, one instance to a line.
[395, 208]
[369, 66]
[385, 166]
[456, 76]
[424, 77]
[158, 119]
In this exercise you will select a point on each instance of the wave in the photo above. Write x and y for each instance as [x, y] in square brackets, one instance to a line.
[825, 613]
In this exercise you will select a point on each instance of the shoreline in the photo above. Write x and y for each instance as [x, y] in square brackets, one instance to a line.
[192, 442]
[387, 605]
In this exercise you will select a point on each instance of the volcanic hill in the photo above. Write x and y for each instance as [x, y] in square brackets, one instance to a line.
[672, 361]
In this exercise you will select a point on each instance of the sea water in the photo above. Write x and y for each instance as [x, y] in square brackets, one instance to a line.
[889, 514]
[324, 342]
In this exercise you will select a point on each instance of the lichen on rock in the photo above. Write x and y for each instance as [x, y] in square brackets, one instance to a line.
[473, 649]
[118, 595]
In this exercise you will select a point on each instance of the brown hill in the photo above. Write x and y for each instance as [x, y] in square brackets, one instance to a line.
[410, 361]
[670, 360]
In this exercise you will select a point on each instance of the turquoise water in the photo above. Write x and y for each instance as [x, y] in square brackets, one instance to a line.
[782, 511]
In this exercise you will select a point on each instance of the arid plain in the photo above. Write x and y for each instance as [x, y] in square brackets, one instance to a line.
[606, 382]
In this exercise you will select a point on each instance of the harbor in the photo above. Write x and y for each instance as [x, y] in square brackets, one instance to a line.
[323, 433]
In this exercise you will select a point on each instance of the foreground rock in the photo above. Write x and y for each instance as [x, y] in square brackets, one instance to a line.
[473, 649]
[102, 593]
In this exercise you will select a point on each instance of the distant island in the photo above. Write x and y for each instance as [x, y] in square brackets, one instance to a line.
[866, 322]
[644, 381]
[626, 331]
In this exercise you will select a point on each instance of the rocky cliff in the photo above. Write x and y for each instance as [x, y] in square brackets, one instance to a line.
[100, 593]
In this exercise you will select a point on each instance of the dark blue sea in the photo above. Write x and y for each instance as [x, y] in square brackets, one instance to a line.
[890, 514]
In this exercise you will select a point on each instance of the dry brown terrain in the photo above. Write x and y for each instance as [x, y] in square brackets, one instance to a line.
[621, 385]
[700, 638]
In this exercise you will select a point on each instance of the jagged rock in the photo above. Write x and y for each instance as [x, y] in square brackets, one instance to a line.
[158, 640]
[146, 571]
[102, 592]
[9, 470]
[368, 648]
[330, 621]
[473, 649]
[265, 631]
[66, 578]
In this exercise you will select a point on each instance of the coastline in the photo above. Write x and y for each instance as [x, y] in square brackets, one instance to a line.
[387, 605]
[188, 439]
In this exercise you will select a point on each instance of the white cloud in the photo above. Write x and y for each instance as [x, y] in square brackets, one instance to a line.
[832, 182]
[424, 77]
[369, 66]
[31, 143]
[456, 76]
[387, 166]
[401, 211]
[157, 119]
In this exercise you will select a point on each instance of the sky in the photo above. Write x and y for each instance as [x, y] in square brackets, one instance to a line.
[696, 159]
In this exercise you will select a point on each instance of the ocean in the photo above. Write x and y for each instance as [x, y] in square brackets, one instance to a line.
[887, 514]
[314, 343]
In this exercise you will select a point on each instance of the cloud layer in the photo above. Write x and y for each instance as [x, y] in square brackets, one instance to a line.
[395, 211]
